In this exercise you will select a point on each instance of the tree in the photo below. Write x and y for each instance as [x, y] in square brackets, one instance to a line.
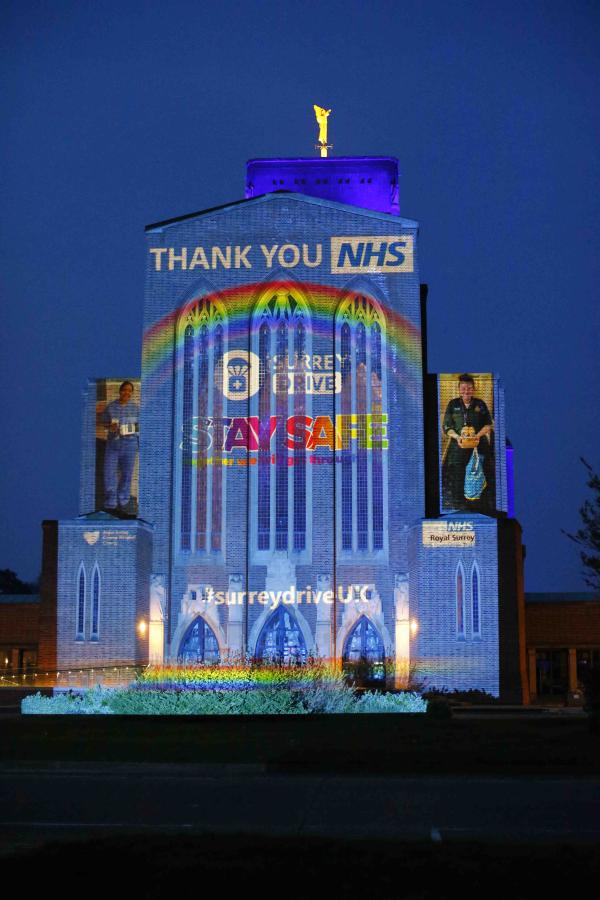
[588, 536]
[10, 583]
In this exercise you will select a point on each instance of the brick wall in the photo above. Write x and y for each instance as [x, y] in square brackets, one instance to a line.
[121, 551]
[563, 624]
[19, 623]
[48, 611]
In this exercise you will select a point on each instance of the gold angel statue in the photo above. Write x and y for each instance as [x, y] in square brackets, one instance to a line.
[322, 115]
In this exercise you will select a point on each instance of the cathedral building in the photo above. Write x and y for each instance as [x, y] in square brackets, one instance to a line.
[284, 479]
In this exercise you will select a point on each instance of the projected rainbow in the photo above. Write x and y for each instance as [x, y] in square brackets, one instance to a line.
[236, 677]
[402, 338]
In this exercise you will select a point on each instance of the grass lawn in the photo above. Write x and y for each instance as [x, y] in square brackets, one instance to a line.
[368, 743]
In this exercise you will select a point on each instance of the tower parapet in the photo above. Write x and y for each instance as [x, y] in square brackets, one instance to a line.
[370, 182]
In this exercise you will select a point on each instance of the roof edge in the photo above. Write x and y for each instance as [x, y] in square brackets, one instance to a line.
[287, 195]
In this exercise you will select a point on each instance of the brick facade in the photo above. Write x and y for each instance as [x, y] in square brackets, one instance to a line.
[566, 624]
[563, 642]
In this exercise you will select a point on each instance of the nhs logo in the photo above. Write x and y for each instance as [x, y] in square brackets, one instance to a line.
[372, 253]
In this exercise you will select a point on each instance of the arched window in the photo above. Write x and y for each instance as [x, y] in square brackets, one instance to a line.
[281, 341]
[80, 610]
[281, 638]
[95, 626]
[475, 602]
[364, 645]
[460, 601]
[361, 469]
[199, 644]
[200, 483]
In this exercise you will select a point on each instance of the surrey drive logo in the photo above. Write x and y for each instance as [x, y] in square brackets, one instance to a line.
[301, 375]
[351, 255]
[241, 374]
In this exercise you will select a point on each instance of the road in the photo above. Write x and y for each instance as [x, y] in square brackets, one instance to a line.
[62, 801]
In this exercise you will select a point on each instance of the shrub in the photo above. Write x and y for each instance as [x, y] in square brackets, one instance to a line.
[329, 695]
[240, 690]
[378, 702]
[235, 675]
[439, 708]
[364, 673]
[205, 703]
[92, 702]
[39, 705]
[478, 697]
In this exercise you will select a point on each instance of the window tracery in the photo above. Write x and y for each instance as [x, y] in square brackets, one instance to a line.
[281, 341]
[201, 406]
[361, 470]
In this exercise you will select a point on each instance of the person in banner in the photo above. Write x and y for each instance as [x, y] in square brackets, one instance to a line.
[121, 418]
[468, 424]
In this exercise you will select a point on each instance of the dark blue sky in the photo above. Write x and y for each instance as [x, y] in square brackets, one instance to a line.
[120, 114]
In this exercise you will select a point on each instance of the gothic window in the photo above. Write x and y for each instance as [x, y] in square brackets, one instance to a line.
[199, 644]
[94, 629]
[80, 626]
[364, 645]
[281, 341]
[281, 639]
[201, 347]
[361, 470]
[460, 601]
[475, 610]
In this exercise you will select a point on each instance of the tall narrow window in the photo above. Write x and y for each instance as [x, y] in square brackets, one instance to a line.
[187, 435]
[475, 611]
[281, 341]
[80, 626]
[201, 408]
[460, 601]
[346, 464]
[299, 451]
[94, 629]
[264, 453]
[376, 451]
[361, 466]
[281, 463]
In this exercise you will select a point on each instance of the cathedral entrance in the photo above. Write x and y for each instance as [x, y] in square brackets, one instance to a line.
[281, 639]
[363, 656]
[199, 644]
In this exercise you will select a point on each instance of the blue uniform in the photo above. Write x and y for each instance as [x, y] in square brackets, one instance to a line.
[457, 415]
[121, 452]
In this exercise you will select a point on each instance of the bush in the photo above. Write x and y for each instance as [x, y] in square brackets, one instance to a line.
[378, 702]
[39, 705]
[331, 695]
[439, 708]
[363, 673]
[236, 674]
[228, 690]
[92, 702]
[477, 697]
[205, 703]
